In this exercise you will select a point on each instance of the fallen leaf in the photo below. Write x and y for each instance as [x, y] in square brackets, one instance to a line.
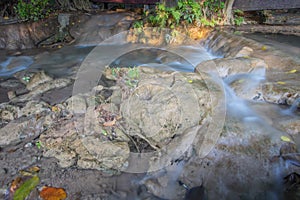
[52, 193]
[110, 123]
[25, 173]
[190, 81]
[285, 138]
[55, 109]
[24, 190]
[34, 169]
[15, 184]
[281, 83]
[264, 48]
[292, 71]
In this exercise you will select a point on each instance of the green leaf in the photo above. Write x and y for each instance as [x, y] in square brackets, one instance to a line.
[24, 190]
[177, 16]
[133, 73]
[180, 4]
[285, 138]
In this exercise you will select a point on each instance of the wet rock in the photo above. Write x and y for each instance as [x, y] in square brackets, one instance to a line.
[244, 52]
[76, 104]
[106, 27]
[291, 127]
[38, 79]
[288, 148]
[143, 109]
[8, 112]
[164, 183]
[231, 66]
[57, 96]
[33, 108]
[65, 158]
[111, 155]
[11, 83]
[17, 131]
[281, 92]
[116, 97]
[292, 186]
[3, 95]
[57, 143]
[11, 88]
[26, 35]
[274, 59]
[196, 193]
[44, 87]
[11, 95]
[234, 160]
[99, 139]
[281, 84]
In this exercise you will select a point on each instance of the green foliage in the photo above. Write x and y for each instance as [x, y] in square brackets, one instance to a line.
[33, 10]
[188, 11]
[129, 75]
[133, 73]
[238, 17]
[138, 26]
[39, 144]
[206, 13]
[214, 6]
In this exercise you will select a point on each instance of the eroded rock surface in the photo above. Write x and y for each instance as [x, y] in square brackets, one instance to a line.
[149, 110]
[279, 84]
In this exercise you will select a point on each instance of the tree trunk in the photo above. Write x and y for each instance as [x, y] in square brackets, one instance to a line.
[228, 12]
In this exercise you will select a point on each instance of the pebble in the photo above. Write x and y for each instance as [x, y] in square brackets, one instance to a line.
[28, 145]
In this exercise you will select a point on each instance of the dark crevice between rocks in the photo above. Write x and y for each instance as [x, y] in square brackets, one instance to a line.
[104, 81]
[139, 145]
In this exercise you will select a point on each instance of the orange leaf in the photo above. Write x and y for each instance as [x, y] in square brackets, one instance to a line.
[110, 123]
[52, 193]
[55, 109]
[15, 184]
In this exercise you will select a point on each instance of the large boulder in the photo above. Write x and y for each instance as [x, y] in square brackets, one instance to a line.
[149, 111]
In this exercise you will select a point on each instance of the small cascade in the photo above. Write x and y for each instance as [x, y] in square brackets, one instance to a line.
[295, 106]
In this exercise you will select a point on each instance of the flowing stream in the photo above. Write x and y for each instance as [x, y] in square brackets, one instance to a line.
[255, 116]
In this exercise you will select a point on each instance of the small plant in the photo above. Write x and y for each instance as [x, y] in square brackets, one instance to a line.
[138, 26]
[238, 17]
[33, 10]
[131, 77]
[133, 73]
[26, 79]
[115, 71]
[39, 144]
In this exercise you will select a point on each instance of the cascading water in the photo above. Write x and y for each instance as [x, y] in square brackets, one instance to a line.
[254, 115]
